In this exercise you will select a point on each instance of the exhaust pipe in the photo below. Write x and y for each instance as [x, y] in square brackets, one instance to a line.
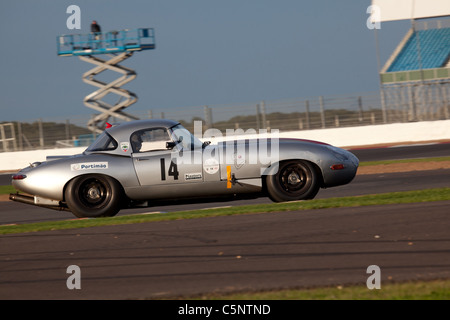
[21, 198]
[35, 202]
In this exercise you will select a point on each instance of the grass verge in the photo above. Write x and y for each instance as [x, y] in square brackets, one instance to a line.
[7, 189]
[418, 160]
[437, 194]
[417, 290]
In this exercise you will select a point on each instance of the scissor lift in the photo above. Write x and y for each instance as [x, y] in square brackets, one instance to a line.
[118, 46]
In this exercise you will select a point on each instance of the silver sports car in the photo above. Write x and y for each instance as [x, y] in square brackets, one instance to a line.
[139, 162]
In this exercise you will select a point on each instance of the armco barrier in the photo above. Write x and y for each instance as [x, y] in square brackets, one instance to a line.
[396, 133]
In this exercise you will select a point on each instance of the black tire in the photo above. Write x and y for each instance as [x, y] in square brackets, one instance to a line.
[295, 180]
[93, 196]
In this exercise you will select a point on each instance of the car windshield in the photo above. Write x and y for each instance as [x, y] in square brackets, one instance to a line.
[104, 142]
[185, 138]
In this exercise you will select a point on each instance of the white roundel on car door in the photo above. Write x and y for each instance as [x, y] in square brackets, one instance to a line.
[211, 166]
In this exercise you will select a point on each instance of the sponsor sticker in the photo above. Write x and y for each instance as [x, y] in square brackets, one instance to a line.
[193, 176]
[239, 160]
[211, 166]
[124, 146]
[88, 166]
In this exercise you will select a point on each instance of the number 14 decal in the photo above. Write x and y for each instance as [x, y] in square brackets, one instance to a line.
[173, 170]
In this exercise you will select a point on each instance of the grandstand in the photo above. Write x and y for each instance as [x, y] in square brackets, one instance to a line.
[415, 80]
[435, 50]
[420, 50]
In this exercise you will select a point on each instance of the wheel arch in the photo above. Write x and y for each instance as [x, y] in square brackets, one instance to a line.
[306, 181]
[90, 174]
[275, 166]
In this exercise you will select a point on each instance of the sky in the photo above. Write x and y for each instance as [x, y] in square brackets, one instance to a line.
[208, 52]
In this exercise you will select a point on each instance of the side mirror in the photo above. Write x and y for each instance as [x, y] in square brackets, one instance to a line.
[170, 145]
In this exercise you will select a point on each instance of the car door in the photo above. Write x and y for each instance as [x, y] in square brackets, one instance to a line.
[156, 164]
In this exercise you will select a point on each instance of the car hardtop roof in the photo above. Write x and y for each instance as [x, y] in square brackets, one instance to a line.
[135, 125]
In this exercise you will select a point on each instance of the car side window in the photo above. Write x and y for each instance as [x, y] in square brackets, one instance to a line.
[150, 140]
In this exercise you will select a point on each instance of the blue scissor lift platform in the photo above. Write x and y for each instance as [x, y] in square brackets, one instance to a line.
[118, 46]
[109, 42]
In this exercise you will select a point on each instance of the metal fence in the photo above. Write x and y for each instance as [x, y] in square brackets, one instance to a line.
[284, 115]
[288, 115]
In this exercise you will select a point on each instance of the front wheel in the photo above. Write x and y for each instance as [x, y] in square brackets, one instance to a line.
[93, 196]
[295, 180]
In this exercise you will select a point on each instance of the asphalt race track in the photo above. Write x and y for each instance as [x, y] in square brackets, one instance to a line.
[222, 254]
[424, 150]
[246, 252]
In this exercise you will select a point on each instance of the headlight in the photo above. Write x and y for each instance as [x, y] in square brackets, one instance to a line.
[338, 153]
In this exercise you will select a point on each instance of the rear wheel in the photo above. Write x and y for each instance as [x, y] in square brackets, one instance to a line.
[94, 196]
[295, 180]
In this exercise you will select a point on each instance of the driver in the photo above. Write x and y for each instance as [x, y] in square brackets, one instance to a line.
[136, 142]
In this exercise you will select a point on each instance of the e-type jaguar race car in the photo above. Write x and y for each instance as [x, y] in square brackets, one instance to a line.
[137, 162]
